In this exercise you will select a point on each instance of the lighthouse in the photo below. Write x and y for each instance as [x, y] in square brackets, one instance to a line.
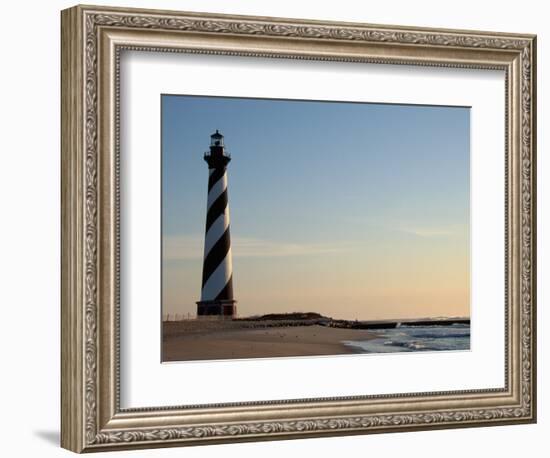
[217, 270]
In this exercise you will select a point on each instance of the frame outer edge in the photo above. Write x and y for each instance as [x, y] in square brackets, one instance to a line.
[534, 270]
[81, 225]
[72, 226]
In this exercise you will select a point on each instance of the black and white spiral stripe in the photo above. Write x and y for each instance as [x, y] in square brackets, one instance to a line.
[217, 267]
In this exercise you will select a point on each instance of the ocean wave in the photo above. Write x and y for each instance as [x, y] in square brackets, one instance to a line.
[432, 335]
[411, 345]
[435, 326]
[423, 338]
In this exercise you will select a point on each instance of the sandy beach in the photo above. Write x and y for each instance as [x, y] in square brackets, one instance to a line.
[185, 341]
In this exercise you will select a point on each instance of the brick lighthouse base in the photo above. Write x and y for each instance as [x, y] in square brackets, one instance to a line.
[224, 309]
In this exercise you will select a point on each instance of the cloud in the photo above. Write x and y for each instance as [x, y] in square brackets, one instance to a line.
[428, 232]
[191, 247]
[249, 247]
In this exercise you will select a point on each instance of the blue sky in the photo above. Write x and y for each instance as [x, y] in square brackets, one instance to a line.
[368, 203]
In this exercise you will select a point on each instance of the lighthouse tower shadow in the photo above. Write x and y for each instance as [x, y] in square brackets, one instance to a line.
[217, 300]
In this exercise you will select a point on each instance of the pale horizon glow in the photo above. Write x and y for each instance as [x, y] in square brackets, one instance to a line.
[352, 210]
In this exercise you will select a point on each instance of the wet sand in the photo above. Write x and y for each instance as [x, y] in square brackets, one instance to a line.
[184, 343]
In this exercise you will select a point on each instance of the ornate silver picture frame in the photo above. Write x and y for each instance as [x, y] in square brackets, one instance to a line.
[93, 39]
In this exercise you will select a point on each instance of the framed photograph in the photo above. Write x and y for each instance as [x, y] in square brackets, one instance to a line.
[277, 228]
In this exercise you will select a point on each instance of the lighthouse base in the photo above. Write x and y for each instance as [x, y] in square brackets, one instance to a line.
[221, 309]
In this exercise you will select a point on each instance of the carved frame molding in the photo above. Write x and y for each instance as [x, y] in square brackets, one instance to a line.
[92, 39]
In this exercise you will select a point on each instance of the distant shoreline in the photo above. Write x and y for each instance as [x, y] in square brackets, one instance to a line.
[315, 318]
[311, 318]
[391, 324]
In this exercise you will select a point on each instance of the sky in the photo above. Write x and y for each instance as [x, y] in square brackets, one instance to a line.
[352, 210]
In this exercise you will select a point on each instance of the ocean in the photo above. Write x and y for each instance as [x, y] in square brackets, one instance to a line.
[417, 338]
